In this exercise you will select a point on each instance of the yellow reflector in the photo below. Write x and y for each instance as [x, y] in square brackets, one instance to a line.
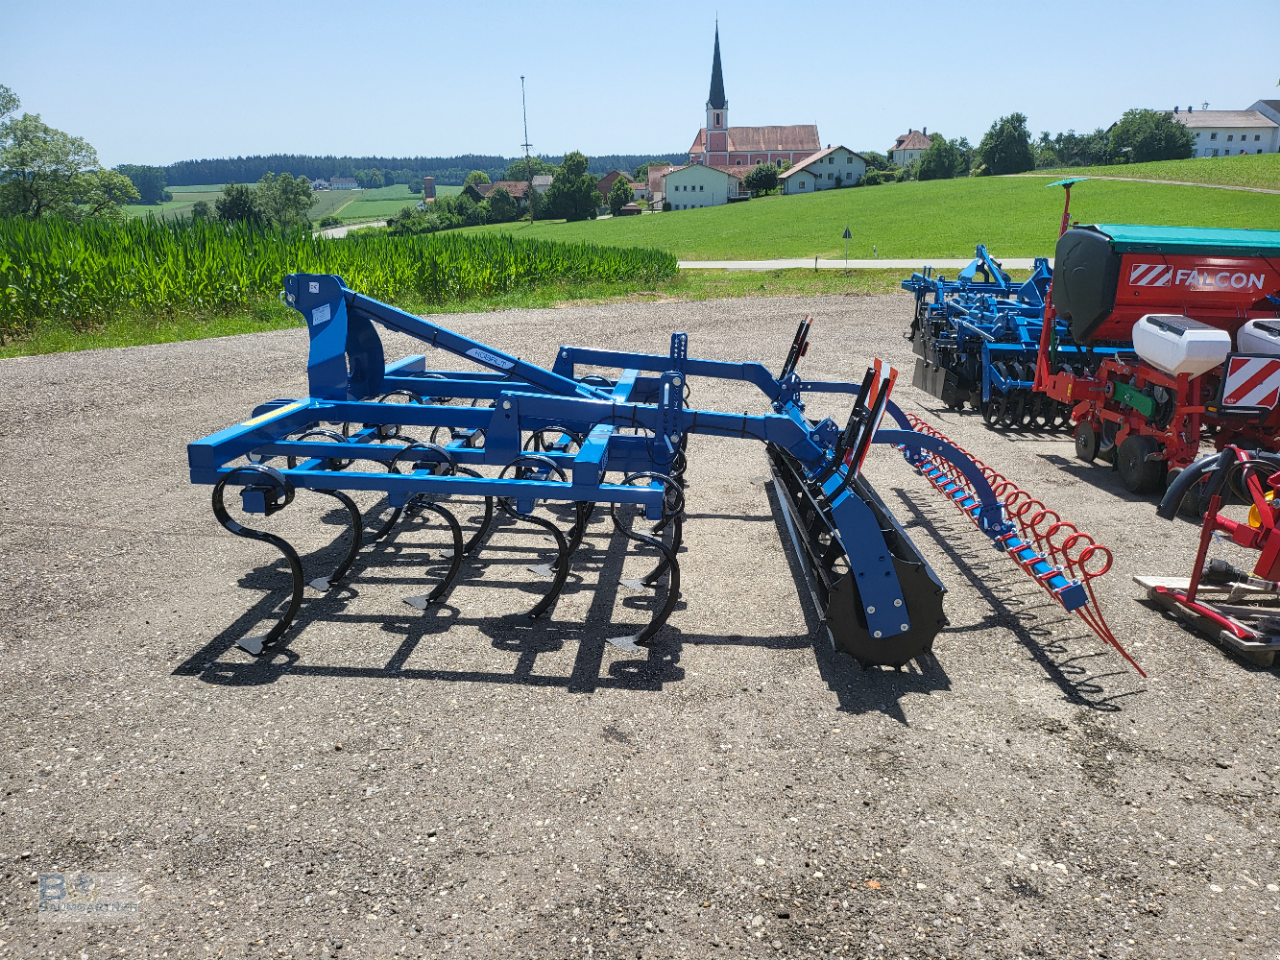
[1255, 518]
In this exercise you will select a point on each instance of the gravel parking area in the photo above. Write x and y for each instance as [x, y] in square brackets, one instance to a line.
[467, 783]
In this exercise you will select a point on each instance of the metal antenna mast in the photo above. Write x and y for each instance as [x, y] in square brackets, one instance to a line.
[528, 166]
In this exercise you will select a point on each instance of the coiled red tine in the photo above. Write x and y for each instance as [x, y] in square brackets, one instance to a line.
[1066, 546]
[1055, 549]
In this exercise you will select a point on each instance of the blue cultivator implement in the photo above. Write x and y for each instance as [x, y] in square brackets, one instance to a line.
[976, 339]
[425, 438]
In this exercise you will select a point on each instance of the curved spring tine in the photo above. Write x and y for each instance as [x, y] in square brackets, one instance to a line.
[677, 537]
[357, 540]
[479, 535]
[391, 521]
[674, 506]
[560, 569]
[423, 602]
[410, 444]
[670, 564]
[255, 645]
[583, 509]
[357, 522]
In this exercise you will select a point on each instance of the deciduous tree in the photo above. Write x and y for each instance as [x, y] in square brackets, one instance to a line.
[941, 161]
[1006, 147]
[238, 204]
[476, 176]
[1141, 136]
[502, 206]
[573, 194]
[284, 200]
[620, 194]
[46, 172]
[762, 178]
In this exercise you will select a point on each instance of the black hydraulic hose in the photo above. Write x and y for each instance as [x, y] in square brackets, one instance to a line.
[1182, 485]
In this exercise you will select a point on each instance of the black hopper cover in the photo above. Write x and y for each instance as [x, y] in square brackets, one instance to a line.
[1086, 273]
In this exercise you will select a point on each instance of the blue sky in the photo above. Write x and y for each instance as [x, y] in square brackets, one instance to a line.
[152, 82]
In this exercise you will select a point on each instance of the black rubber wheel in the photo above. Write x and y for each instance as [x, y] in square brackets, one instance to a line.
[1086, 442]
[1139, 474]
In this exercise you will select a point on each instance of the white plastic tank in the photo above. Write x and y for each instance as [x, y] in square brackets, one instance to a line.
[1180, 345]
[1259, 336]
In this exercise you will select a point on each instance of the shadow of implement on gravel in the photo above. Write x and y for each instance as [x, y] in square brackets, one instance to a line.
[858, 690]
[1031, 624]
[390, 563]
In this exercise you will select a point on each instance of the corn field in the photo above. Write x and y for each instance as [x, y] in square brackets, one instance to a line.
[81, 275]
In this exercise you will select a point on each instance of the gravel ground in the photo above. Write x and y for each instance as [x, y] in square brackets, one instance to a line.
[466, 783]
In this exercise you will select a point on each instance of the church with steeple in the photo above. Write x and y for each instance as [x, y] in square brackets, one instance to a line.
[720, 145]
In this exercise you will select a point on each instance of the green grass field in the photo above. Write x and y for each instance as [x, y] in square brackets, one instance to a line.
[198, 188]
[179, 206]
[348, 205]
[1013, 216]
[1256, 170]
[380, 203]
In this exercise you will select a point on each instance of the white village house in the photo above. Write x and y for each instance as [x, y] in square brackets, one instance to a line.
[697, 185]
[825, 170]
[909, 146]
[1225, 133]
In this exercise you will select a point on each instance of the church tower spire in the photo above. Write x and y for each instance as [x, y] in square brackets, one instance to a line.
[717, 105]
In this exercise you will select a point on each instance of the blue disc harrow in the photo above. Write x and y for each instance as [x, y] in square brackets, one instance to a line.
[510, 438]
[977, 338]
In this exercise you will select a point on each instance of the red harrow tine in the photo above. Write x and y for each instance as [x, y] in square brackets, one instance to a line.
[1061, 548]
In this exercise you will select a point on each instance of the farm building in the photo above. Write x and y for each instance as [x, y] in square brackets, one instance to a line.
[826, 169]
[320, 184]
[656, 189]
[696, 185]
[909, 146]
[718, 144]
[519, 190]
[541, 182]
[343, 183]
[605, 183]
[1224, 133]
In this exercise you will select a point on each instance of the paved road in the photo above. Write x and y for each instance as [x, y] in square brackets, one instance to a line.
[1010, 263]
[334, 233]
[472, 782]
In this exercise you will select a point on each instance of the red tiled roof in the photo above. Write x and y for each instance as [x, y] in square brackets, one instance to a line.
[912, 140]
[517, 188]
[789, 139]
[655, 177]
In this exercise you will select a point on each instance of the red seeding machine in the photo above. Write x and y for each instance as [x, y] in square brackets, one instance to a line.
[1150, 340]
[1188, 322]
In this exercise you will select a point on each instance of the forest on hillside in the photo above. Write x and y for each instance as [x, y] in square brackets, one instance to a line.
[446, 170]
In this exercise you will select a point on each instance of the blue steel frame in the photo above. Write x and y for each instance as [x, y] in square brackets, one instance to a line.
[992, 323]
[346, 368]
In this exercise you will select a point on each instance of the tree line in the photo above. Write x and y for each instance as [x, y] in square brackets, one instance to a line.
[1140, 136]
[572, 195]
[365, 170]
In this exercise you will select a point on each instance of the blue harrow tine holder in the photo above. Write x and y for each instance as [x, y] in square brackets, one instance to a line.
[518, 435]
